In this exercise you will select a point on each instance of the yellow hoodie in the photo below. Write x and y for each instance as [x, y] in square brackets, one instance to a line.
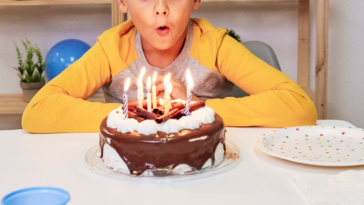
[216, 61]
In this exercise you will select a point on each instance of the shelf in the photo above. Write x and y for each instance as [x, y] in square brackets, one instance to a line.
[14, 103]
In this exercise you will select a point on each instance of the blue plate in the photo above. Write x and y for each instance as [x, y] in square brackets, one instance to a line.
[37, 196]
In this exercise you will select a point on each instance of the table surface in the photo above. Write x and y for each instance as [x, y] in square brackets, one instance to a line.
[29, 160]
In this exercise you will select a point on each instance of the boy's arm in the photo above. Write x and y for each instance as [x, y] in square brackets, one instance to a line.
[60, 105]
[274, 101]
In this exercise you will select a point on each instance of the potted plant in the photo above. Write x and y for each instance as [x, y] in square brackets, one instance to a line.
[233, 35]
[31, 74]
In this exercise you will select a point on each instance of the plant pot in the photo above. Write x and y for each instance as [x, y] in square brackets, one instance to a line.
[30, 89]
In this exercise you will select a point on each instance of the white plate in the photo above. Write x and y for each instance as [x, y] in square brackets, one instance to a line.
[315, 145]
[231, 159]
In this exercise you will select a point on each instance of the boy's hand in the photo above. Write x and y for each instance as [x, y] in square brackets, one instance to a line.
[179, 90]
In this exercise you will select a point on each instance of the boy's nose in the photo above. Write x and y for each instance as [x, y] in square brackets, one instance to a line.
[161, 8]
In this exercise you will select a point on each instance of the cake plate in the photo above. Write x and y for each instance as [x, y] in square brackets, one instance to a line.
[231, 159]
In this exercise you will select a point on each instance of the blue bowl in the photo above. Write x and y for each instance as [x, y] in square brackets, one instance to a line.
[37, 196]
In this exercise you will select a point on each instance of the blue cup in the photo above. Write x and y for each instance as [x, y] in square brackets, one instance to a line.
[37, 196]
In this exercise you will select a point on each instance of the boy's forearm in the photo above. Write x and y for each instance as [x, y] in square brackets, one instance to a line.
[273, 108]
[52, 111]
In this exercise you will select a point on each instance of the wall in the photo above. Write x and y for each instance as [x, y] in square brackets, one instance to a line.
[272, 22]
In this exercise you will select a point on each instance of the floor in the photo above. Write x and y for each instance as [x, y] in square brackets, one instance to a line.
[10, 121]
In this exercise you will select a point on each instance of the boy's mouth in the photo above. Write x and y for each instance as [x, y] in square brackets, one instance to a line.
[162, 30]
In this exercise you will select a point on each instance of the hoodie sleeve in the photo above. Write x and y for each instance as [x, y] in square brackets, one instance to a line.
[274, 101]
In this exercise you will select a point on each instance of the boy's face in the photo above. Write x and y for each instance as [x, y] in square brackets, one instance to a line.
[160, 22]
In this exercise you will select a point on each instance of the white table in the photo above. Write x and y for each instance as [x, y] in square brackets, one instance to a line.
[28, 160]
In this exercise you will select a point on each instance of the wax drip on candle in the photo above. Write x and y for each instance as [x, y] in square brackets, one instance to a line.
[140, 88]
[125, 98]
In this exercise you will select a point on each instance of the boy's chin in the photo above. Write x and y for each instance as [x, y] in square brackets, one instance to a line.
[162, 45]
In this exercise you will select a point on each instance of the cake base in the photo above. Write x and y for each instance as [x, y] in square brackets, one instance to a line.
[94, 163]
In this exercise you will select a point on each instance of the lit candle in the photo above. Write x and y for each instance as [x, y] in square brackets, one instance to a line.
[154, 90]
[168, 99]
[189, 91]
[140, 88]
[125, 98]
[149, 96]
[166, 81]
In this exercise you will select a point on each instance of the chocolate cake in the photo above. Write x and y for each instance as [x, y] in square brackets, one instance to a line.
[152, 140]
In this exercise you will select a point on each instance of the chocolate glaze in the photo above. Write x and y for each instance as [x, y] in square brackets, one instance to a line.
[141, 152]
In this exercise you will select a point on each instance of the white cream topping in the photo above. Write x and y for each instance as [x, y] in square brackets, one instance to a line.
[128, 125]
[115, 118]
[190, 122]
[147, 127]
[170, 126]
[203, 115]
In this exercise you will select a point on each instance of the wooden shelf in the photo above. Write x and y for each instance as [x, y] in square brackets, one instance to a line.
[14, 103]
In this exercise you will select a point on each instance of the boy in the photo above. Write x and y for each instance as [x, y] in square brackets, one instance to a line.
[163, 38]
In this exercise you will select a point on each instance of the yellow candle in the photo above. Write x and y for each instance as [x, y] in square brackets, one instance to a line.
[140, 88]
[149, 96]
[168, 99]
[154, 90]
[166, 81]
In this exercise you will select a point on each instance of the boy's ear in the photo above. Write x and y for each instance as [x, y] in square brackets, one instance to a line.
[196, 4]
[122, 6]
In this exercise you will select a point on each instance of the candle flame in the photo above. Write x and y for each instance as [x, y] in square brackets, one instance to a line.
[189, 78]
[169, 88]
[148, 84]
[154, 77]
[140, 80]
[127, 83]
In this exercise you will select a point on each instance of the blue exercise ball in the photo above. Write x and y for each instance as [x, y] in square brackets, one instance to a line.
[62, 55]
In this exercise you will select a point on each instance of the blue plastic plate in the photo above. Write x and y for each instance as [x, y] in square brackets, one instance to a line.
[37, 196]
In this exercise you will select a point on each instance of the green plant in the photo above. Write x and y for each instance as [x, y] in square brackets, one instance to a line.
[28, 71]
[234, 35]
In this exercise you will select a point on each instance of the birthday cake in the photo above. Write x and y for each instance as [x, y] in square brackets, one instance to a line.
[171, 141]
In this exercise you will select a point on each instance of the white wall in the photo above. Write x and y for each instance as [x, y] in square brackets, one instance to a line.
[272, 22]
